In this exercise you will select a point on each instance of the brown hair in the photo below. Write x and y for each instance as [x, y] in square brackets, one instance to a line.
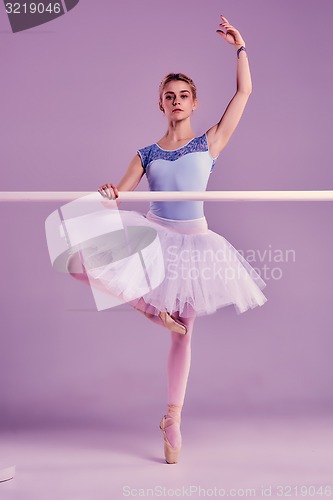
[176, 76]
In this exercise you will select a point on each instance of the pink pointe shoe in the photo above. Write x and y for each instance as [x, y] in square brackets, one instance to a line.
[171, 454]
[172, 324]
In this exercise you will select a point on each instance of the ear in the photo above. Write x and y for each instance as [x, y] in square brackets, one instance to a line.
[195, 104]
[160, 106]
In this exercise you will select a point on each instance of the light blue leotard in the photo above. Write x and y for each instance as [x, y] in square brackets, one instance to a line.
[184, 169]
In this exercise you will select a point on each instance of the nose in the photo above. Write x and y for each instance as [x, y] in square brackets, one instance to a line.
[176, 101]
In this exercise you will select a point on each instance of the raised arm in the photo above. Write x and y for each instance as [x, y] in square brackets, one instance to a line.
[219, 134]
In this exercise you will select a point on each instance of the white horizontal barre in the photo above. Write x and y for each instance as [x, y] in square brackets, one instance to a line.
[321, 195]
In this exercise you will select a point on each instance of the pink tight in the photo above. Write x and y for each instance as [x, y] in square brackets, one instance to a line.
[178, 367]
[179, 361]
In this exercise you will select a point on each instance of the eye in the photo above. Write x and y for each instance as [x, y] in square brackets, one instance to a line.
[185, 95]
[168, 97]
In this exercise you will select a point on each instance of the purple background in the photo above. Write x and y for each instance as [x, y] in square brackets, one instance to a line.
[79, 97]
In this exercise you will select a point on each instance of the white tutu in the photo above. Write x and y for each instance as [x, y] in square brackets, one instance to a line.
[158, 264]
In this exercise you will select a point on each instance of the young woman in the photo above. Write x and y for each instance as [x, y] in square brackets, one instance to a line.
[203, 271]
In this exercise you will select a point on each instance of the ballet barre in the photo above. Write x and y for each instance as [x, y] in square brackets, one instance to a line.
[318, 195]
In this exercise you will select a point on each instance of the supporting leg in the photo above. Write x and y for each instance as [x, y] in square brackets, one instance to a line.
[178, 367]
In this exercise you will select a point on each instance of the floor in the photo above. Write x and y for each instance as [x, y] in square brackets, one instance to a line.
[289, 457]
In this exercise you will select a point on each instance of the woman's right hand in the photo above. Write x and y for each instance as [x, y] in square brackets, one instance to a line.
[109, 191]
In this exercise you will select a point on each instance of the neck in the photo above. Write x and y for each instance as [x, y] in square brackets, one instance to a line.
[179, 131]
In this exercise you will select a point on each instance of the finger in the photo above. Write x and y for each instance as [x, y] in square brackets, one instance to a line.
[103, 191]
[226, 25]
[110, 193]
[109, 190]
[115, 190]
[221, 33]
[231, 29]
[224, 19]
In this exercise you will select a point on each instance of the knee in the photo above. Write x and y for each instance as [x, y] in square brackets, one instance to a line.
[181, 341]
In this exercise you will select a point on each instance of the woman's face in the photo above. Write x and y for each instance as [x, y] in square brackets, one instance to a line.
[177, 95]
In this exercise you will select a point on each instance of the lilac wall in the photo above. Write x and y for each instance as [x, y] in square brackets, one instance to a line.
[79, 96]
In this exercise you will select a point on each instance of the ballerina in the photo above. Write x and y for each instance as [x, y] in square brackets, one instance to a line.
[197, 280]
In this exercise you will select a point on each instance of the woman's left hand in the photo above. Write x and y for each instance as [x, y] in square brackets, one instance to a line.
[231, 35]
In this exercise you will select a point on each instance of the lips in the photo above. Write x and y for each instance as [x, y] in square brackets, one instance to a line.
[177, 110]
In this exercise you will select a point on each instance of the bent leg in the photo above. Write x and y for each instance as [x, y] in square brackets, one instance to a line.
[168, 321]
[77, 270]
